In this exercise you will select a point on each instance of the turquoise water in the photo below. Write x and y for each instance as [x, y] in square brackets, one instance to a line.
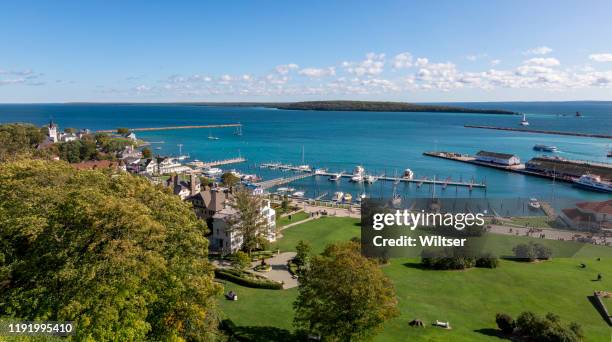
[381, 142]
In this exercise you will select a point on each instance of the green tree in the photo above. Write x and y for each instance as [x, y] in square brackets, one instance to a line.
[146, 153]
[229, 179]
[19, 139]
[303, 253]
[70, 151]
[344, 296]
[248, 221]
[206, 182]
[241, 260]
[123, 130]
[70, 130]
[124, 259]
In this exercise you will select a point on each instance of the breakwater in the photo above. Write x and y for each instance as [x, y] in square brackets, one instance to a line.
[167, 128]
[541, 131]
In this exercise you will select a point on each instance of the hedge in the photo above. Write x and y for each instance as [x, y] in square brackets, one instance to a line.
[238, 277]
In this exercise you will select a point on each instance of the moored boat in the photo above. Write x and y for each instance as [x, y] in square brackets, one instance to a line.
[534, 204]
[347, 197]
[593, 182]
[408, 174]
[545, 148]
[524, 121]
[338, 196]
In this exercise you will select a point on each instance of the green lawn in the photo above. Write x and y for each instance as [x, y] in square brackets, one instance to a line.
[283, 221]
[468, 299]
[534, 221]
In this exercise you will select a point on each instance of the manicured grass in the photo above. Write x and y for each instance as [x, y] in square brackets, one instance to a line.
[283, 221]
[468, 299]
[319, 233]
[534, 221]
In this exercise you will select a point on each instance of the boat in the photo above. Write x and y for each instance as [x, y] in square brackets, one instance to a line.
[593, 182]
[211, 137]
[578, 114]
[524, 121]
[250, 178]
[408, 174]
[282, 189]
[534, 204]
[545, 148]
[338, 196]
[320, 171]
[347, 197]
[305, 168]
[336, 177]
[358, 173]
[298, 194]
[213, 171]
[609, 154]
[238, 131]
[370, 179]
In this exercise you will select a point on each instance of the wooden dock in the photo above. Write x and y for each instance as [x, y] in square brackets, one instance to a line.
[167, 128]
[279, 181]
[419, 182]
[224, 162]
[541, 131]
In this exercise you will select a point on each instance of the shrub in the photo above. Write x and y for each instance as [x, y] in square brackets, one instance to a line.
[532, 251]
[505, 323]
[487, 261]
[241, 260]
[246, 279]
[548, 328]
[446, 259]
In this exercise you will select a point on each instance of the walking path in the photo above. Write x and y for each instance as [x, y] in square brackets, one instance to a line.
[298, 222]
[279, 271]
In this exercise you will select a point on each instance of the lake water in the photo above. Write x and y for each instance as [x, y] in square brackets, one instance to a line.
[381, 142]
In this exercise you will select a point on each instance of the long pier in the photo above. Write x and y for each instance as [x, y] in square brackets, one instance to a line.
[224, 162]
[167, 128]
[309, 172]
[279, 181]
[541, 131]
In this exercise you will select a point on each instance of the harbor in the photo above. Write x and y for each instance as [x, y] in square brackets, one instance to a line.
[168, 128]
[541, 131]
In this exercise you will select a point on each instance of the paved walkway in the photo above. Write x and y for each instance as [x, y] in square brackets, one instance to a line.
[280, 271]
[298, 222]
[551, 234]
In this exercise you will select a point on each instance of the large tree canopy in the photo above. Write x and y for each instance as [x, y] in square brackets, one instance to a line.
[122, 258]
[344, 296]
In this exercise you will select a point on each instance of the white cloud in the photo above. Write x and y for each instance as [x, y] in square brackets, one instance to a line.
[27, 77]
[547, 62]
[473, 58]
[402, 60]
[284, 69]
[495, 62]
[540, 50]
[601, 57]
[373, 65]
[318, 73]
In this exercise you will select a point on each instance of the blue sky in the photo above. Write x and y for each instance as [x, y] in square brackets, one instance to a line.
[143, 51]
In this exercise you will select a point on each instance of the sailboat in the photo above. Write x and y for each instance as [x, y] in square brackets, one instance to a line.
[524, 121]
[304, 167]
[238, 131]
[211, 137]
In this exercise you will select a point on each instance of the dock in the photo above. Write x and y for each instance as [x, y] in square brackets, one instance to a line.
[541, 131]
[464, 158]
[167, 128]
[419, 182]
[279, 181]
[223, 162]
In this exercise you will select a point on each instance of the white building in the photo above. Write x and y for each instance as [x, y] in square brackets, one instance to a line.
[149, 166]
[226, 240]
[169, 165]
[498, 158]
[52, 132]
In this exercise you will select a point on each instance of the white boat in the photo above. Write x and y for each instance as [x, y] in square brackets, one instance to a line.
[370, 179]
[347, 197]
[593, 182]
[211, 137]
[236, 173]
[183, 157]
[298, 194]
[534, 204]
[545, 148]
[213, 171]
[524, 121]
[320, 171]
[338, 196]
[249, 178]
[305, 168]
[336, 177]
[408, 174]
[358, 174]
[282, 189]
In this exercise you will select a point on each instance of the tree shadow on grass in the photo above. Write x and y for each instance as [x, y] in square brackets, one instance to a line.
[599, 309]
[493, 333]
[263, 334]
[416, 265]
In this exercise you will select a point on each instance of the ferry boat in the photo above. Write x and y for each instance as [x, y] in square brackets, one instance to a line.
[347, 197]
[213, 171]
[545, 148]
[524, 121]
[593, 182]
[338, 196]
[320, 171]
[335, 177]
[298, 194]
[534, 204]
[408, 174]
[370, 179]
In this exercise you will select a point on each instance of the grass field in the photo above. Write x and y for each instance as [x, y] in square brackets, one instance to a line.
[468, 299]
[283, 221]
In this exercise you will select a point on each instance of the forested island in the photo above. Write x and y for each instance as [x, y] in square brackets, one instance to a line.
[383, 106]
[341, 105]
